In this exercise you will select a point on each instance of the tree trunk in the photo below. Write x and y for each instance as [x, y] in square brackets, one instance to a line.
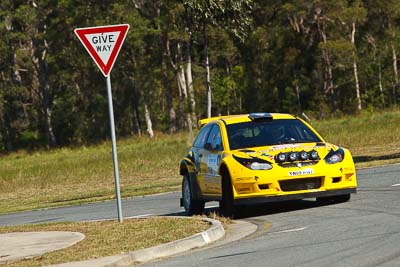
[208, 79]
[14, 78]
[190, 126]
[208, 84]
[371, 40]
[359, 107]
[148, 121]
[49, 127]
[297, 89]
[5, 133]
[39, 51]
[44, 89]
[189, 81]
[180, 78]
[357, 85]
[135, 105]
[329, 86]
[168, 89]
[380, 82]
[298, 96]
[395, 72]
[181, 81]
[176, 63]
[136, 120]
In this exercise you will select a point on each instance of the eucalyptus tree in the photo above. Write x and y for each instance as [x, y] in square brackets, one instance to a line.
[30, 25]
[229, 14]
[349, 16]
[25, 28]
[383, 21]
[331, 27]
[281, 66]
[8, 76]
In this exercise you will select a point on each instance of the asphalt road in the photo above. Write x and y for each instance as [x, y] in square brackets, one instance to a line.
[362, 232]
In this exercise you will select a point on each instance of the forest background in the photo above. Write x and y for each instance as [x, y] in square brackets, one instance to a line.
[190, 59]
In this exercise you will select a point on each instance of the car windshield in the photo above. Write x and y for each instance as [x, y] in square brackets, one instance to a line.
[282, 131]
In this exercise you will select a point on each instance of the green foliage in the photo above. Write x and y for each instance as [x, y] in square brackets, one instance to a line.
[276, 56]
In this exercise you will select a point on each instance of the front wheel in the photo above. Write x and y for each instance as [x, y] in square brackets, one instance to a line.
[192, 206]
[226, 204]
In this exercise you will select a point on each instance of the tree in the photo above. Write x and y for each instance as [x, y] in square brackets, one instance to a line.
[383, 19]
[349, 17]
[232, 15]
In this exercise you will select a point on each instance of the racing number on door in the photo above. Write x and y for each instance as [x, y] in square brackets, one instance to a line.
[212, 157]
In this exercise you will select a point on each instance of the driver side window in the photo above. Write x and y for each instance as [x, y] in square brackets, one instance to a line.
[201, 137]
[214, 140]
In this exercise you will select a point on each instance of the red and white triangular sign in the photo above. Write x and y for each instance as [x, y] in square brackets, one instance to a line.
[103, 44]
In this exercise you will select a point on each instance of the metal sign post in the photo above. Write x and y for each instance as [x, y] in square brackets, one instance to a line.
[103, 44]
[114, 149]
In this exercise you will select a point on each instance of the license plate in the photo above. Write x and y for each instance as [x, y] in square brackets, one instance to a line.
[301, 172]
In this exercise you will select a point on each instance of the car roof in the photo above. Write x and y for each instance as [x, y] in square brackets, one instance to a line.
[232, 119]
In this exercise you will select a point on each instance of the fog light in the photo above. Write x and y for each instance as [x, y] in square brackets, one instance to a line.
[293, 156]
[314, 155]
[303, 155]
[281, 157]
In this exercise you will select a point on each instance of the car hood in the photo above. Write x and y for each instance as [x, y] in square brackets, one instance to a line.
[268, 152]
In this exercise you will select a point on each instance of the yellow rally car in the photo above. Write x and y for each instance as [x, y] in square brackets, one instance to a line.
[262, 157]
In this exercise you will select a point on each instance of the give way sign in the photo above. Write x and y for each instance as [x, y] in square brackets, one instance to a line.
[103, 44]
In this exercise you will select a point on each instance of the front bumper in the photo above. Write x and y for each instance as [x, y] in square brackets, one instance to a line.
[267, 199]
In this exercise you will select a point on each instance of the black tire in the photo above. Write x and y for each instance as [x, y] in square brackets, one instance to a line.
[226, 204]
[192, 206]
[334, 199]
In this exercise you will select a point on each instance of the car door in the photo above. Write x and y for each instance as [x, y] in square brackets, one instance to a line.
[211, 157]
[198, 152]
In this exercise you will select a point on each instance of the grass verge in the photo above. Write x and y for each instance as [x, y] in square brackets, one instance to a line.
[70, 176]
[111, 237]
[67, 176]
[373, 138]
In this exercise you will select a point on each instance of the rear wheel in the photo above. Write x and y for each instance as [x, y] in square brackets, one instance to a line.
[226, 205]
[192, 206]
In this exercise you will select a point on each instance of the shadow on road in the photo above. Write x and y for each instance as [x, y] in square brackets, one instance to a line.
[276, 207]
[257, 210]
[358, 159]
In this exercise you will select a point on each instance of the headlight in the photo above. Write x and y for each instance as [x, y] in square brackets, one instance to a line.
[260, 166]
[335, 156]
[254, 163]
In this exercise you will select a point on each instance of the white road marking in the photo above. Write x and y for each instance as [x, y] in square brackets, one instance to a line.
[396, 185]
[290, 230]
